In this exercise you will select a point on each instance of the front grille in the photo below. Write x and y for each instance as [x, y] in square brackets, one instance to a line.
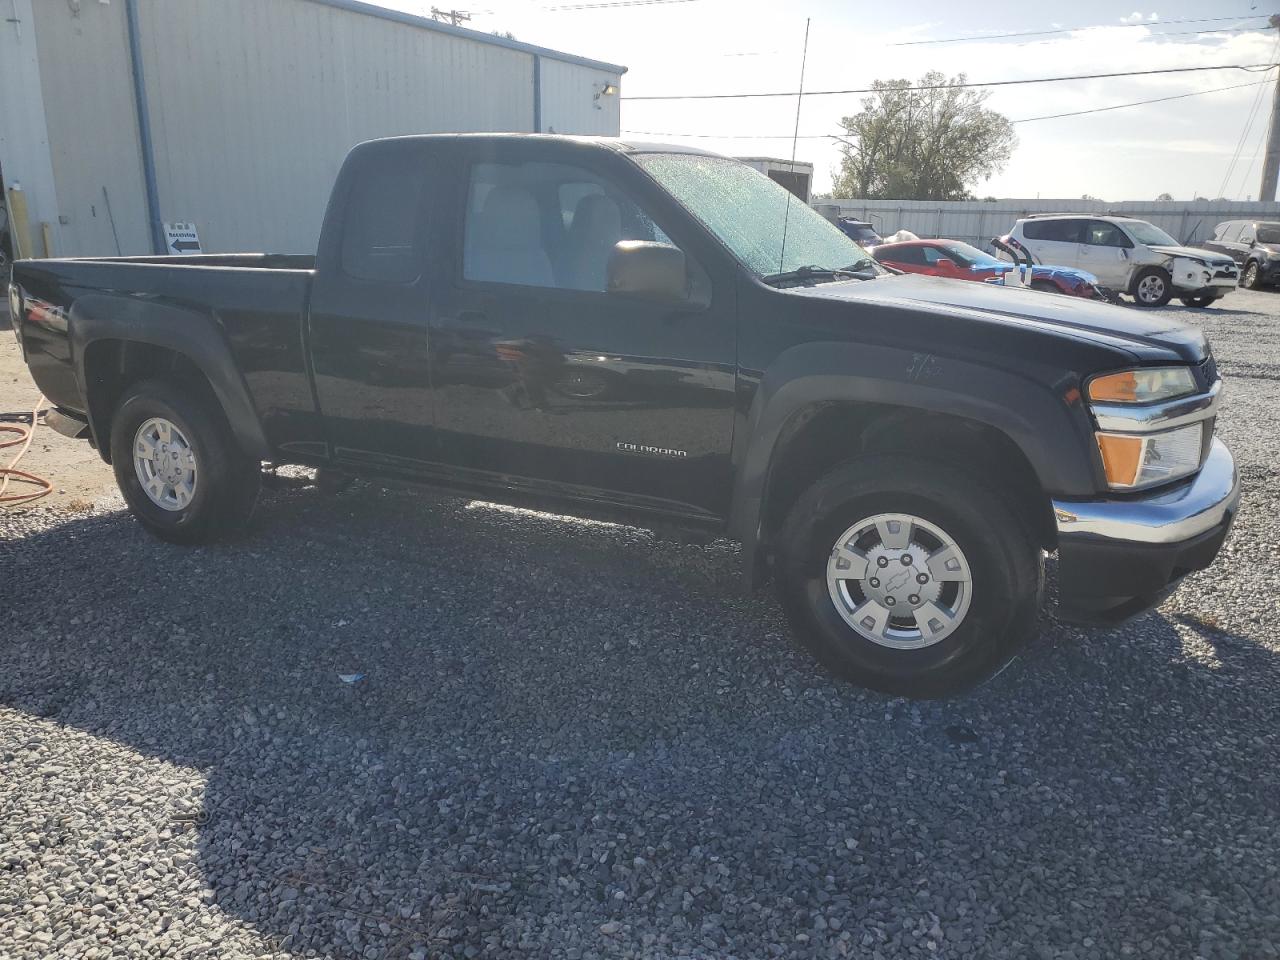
[1226, 273]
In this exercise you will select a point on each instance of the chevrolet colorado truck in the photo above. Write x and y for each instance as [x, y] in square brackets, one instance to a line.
[664, 337]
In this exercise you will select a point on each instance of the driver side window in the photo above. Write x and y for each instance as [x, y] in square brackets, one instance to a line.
[547, 225]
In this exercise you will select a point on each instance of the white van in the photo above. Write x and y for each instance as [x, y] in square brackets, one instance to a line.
[1130, 256]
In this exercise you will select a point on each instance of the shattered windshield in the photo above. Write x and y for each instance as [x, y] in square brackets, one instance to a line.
[747, 211]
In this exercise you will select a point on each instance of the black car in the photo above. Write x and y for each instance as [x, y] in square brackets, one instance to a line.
[1255, 245]
[627, 331]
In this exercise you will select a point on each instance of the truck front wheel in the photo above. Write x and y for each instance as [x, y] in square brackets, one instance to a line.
[908, 575]
[177, 465]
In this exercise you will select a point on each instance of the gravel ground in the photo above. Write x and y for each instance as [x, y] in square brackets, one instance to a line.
[576, 740]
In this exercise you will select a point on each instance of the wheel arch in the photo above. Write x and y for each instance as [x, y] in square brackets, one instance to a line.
[117, 341]
[800, 426]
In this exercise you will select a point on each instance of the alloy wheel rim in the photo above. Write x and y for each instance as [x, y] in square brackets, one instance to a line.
[1151, 289]
[165, 463]
[899, 581]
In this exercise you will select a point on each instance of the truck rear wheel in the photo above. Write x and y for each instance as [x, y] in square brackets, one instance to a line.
[177, 465]
[908, 575]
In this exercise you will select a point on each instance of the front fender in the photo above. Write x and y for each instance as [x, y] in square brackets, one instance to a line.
[194, 334]
[1046, 422]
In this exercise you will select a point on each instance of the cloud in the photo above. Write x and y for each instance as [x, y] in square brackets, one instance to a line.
[1139, 17]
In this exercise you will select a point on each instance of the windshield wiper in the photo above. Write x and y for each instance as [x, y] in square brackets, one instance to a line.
[811, 272]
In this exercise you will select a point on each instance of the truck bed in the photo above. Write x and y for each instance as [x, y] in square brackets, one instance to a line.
[252, 303]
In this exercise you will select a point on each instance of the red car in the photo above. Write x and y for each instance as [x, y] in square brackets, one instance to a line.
[960, 261]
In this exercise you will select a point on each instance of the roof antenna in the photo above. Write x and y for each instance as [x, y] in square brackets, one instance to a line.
[795, 136]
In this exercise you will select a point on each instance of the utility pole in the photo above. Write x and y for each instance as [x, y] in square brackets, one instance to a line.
[456, 17]
[1271, 166]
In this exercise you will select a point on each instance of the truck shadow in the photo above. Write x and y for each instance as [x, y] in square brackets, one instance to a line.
[563, 725]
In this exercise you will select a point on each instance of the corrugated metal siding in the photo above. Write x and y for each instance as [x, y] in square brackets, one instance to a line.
[569, 104]
[977, 221]
[92, 127]
[254, 103]
[24, 138]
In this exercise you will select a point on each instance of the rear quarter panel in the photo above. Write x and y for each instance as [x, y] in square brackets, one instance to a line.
[256, 314]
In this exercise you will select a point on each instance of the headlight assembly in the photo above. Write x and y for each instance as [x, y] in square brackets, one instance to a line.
[1137, 460]
[1146, 385]
[1151, 424]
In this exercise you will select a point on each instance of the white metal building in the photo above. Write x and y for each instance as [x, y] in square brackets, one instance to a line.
[118, 116]
[795, 175]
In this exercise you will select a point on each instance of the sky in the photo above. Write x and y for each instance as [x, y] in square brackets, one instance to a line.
[1208, 145]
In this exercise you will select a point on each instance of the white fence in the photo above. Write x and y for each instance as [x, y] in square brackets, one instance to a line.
[977, 221]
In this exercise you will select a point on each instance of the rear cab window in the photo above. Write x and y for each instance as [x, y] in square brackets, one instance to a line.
[384, 227]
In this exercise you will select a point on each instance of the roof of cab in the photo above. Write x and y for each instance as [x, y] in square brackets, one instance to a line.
[618, 144]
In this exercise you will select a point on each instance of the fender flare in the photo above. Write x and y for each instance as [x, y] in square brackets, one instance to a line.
[195, 334]
[1040, 420]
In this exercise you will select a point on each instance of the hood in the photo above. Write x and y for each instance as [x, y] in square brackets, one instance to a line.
[1195, 253]
[1076, 317]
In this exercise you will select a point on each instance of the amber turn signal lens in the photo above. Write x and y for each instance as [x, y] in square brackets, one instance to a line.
[1116, 388]
[1121, 458]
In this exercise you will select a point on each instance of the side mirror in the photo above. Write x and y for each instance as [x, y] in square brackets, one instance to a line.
[1253, 243]
[946, 263]
[655, 271]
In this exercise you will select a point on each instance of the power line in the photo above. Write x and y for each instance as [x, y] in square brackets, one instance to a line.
[1244, 134]
[612, 5]
[1045, 33]
[953, 86]
[1052, 116]
[1139, 103]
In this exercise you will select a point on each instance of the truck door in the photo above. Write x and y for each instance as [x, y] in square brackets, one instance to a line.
[1104, 252]
[367, 324]
[545, 380]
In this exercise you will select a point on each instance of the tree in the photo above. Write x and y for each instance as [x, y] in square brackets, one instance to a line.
[1165, 197]
[922, 144]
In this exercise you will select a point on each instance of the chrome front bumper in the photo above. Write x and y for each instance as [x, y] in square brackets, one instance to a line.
[1198, 505]
[1118, 558]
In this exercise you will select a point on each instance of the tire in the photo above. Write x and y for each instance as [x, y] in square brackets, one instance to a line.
[1197, 301]
[994, 543]
[1251, 279]
[223, 482]
[1152, 287]
[1044, 286]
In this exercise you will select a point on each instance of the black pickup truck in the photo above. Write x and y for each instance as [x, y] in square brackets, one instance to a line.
[665, 337]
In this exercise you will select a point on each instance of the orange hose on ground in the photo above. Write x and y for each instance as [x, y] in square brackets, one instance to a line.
[10, 474]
